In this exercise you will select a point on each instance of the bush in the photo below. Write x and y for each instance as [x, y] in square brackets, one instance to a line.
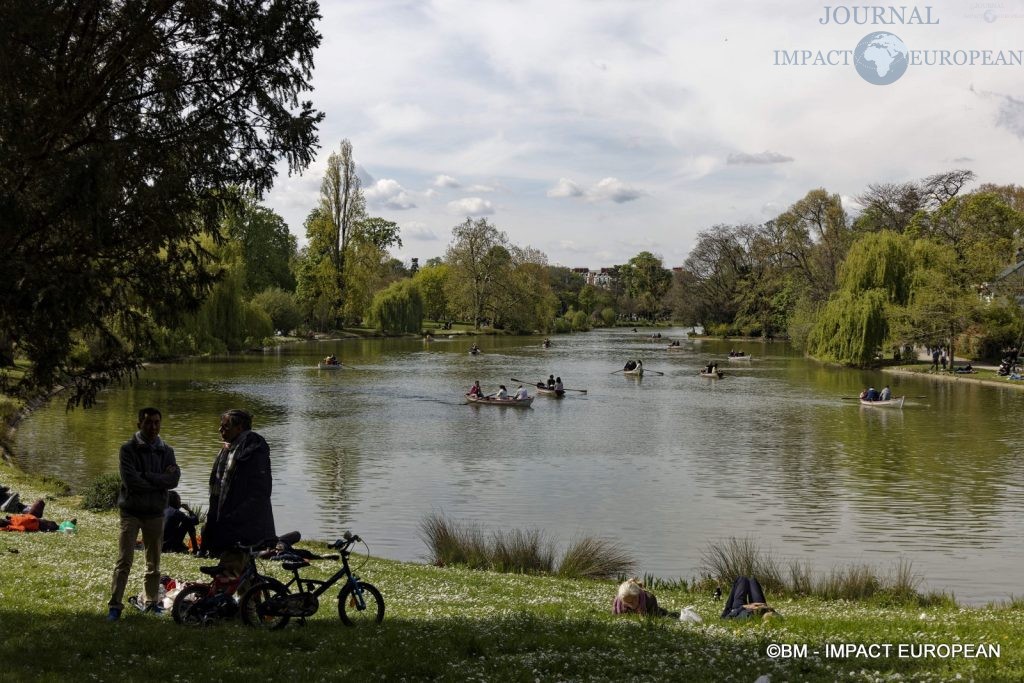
[101, 493]
[594, 558]
[281, 306]
[517, 551]
[608, 317]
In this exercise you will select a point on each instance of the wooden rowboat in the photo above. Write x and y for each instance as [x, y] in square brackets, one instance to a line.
[635, 372]
[544, 391]
[503, 402]
[891, 403]
[329, 366]
[712, 375]
[743, 357]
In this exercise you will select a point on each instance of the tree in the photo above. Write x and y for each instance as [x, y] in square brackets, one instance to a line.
[811, 238]
[317, 280]
[477, 250]
[268, 248]
[366, 265]
[126, 127]
[343, 205]
[646, 281]
[715, 270]
[432, 282]
[281, 306]
[875, 285]
[398, 308]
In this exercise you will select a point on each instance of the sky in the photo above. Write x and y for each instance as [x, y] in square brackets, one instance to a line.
[596, 129]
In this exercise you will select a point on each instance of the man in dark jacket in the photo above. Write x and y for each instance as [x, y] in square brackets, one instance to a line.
[148, 471]
[240, 485]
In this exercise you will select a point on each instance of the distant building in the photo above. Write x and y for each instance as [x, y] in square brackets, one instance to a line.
[603, 277]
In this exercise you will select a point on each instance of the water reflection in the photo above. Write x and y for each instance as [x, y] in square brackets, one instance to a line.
[665, 464]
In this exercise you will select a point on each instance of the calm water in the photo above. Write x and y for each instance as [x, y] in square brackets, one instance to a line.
[667, 464]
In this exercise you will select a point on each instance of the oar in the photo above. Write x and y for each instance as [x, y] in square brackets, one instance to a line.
[350, 367]
[582, 391]
[612, 373]
[654, 371]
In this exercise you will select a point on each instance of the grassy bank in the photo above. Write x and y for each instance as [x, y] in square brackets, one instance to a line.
[450, 624]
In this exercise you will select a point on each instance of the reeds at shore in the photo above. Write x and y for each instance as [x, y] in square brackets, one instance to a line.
[519, 551]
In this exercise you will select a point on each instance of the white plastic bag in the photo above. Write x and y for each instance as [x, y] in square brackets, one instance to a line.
[690, 614]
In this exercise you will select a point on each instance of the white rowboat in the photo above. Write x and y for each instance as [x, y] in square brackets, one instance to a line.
[503, 402]
[891, 403]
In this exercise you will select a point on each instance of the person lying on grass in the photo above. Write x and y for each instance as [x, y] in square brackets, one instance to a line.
[633, 598]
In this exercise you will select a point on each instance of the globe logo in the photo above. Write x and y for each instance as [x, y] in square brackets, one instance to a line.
[880, 58]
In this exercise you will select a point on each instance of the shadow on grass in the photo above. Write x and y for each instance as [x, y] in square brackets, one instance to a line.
[519, 646]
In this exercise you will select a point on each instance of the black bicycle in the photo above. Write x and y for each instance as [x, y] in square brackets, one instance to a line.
[268, 604]
[201, 604]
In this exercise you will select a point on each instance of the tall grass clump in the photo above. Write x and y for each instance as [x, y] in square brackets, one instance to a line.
[742, 557]
[518, 551]
[101, 492]
[594, 558]
[522, 552]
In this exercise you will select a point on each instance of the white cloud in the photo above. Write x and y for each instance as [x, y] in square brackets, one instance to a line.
[758, 158]
[446, 181]
[565, 188]
[399, 118]
[390, 194]
[615, 190]
[471, 206]
[480, 188]
[417, 231]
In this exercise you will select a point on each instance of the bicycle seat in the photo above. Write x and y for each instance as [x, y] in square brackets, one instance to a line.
[289, 566]
[215, 570]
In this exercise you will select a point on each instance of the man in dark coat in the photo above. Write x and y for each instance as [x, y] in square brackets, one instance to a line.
[240, 485]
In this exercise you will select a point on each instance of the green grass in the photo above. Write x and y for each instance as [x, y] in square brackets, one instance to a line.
[452, 624]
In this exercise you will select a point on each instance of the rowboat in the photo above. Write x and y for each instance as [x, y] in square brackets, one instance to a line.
[677, 347]
[635, 372]
[712, 375]
[328, 366]
[554, 393]
[474, 352]
[745, 356]
[503, 402]
[891, 403]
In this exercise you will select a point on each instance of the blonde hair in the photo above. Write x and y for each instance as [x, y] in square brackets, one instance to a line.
[629, 592]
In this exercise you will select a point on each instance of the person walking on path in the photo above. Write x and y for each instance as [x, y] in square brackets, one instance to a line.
[148, 471]
[240, 486]
[935, 360]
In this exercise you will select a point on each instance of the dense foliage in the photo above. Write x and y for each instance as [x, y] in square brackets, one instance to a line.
[126, 129]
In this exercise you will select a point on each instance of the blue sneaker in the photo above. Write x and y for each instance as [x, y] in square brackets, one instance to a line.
[114, 614]
[156, 609]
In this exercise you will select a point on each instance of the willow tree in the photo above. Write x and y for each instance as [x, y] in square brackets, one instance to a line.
[875, 280]
[398, 308]
[851, 328]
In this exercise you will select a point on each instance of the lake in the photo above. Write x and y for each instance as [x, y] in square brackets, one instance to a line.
[667, 465]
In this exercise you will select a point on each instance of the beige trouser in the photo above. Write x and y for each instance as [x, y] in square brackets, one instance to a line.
[152, 539]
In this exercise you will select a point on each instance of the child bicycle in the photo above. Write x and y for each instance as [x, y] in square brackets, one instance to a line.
[270, 605]
[201, 604]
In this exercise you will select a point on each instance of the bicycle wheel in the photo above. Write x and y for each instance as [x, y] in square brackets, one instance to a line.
[252, 605]
[186, 608]
[348, 608]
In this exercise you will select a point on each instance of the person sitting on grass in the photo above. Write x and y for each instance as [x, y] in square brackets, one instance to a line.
[633, 598]
[179, 521]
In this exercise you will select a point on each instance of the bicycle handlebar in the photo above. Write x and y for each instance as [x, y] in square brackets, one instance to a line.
[346, 540]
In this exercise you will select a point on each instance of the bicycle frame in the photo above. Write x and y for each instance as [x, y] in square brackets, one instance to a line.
[317, 587]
